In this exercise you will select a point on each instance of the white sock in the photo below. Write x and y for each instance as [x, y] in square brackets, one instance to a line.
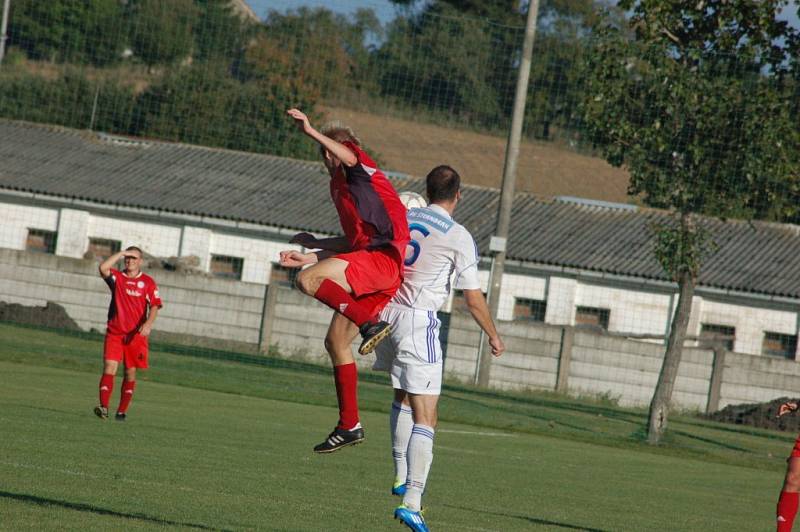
[420, 457]
[400, 425]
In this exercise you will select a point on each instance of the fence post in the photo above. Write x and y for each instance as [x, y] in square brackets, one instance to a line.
[715, 385]
[267, 313]
[564, 358]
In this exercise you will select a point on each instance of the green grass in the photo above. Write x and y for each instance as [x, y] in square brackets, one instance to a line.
[225, 445]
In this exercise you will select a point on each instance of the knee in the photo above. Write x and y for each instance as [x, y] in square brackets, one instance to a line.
[306, 282]
[792, 481]
[329, 345]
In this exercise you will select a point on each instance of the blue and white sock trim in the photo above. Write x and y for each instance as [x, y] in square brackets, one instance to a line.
[401, 407]
[422, 430]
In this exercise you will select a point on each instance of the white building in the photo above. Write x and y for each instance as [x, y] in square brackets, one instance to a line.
[570, 261]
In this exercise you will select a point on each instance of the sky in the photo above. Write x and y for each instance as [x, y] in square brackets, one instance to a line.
[385, 10]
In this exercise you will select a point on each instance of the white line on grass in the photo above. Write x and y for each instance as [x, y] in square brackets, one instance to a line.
[477, 433]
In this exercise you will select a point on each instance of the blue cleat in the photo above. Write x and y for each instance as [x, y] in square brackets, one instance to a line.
[399, 489]
[412, 520]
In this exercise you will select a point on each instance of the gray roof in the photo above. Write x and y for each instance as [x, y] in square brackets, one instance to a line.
[755, 257]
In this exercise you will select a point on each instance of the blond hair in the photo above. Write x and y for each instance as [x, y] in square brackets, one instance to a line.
[339, 132]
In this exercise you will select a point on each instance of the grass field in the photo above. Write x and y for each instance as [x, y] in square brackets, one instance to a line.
[210, 445]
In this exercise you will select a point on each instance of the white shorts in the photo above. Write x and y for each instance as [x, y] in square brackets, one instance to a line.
[412, 353]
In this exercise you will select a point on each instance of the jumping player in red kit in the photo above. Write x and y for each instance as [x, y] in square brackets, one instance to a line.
[133, 309]
[357, 274]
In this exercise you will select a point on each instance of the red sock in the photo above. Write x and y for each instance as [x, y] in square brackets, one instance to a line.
[346, 377]
[106, 387]
[787, 509]
[338, 299]
[125, 395]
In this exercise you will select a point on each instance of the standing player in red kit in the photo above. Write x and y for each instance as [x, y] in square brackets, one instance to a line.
[357, 274]
[134, 307]
[788, 499]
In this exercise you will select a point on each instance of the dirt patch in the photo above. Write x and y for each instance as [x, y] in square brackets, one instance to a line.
[51, 315]
[544, 169]
[761, 415]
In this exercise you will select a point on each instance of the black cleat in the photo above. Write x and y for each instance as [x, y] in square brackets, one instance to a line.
[121, 416]
[373, 333]
[101, 412]
[340, 438]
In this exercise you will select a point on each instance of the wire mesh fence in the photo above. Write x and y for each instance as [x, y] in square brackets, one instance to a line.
[711, 131]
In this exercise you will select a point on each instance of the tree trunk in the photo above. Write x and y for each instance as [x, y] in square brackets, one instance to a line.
[659, 406]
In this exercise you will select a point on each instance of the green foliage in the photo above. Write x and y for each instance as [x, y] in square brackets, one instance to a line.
[437, 63]
[219, 32]
[682, 246]
[703, 130]
[67, 101]
[204, 105]
[67, 30]
[161, 32]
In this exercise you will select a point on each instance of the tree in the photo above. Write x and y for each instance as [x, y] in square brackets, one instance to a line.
[202, 104]
[68, 30]
[161, 32]
[219, 31]
[693, 98]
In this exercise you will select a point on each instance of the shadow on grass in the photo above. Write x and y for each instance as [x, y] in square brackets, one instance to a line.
[510, 410]
[529, 519]
[80, 507]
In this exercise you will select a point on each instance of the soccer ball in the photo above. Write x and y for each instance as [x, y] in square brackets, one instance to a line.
[412, 200]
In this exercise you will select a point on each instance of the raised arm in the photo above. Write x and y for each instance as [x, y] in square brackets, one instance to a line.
[337, 244]
[337, 149]
[106, 265]
[476, 304]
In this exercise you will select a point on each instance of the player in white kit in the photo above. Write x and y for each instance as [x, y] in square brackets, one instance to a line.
[441, 254]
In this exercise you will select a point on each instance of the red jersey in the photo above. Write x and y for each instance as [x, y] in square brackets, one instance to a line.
[371, 213]
[130, 297]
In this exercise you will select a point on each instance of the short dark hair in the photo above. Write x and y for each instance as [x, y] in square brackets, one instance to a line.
[135, 248]
[442, 184]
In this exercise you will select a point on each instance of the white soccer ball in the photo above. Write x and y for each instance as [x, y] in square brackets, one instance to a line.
[412, 200]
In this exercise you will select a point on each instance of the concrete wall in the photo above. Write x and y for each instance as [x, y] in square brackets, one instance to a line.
[239, 315]
[193, 305]
[633, 308]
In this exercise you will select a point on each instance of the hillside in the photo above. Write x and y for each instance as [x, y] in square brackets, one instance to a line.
[544, 168]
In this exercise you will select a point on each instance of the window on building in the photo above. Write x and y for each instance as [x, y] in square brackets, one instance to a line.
[721, 333]
[283, 275]
[227, 267]
[592, 317]
[529, 309]
[41, 241]
[779, 345]
[102, 248]
[459, 303]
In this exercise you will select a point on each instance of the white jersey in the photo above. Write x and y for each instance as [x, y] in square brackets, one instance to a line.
[440, 250]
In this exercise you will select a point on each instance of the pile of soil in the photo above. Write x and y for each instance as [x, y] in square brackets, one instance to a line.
[762, 415]
[51, 315]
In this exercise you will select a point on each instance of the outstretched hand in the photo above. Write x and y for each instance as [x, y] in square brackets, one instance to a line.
[301, 120]
[296, 259]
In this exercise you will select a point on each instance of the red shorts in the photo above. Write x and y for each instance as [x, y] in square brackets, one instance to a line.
[132, 349]
[796, 449]
[374, 275]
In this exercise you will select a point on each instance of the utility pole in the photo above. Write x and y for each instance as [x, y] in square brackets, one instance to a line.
[498, 242]
[3, 27]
